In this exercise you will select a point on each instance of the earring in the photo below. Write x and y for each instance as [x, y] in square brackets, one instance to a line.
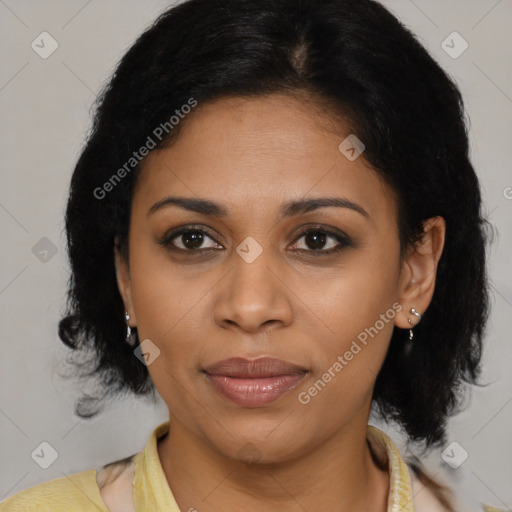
[130, 339]
[418, 316]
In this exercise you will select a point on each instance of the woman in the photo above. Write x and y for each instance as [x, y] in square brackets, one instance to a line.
[275, 225]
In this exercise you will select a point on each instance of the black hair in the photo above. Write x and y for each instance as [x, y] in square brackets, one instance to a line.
[352, 55]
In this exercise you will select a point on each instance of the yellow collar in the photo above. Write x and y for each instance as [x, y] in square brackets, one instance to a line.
[400, 486]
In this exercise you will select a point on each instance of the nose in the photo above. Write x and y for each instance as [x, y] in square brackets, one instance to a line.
[252, 296]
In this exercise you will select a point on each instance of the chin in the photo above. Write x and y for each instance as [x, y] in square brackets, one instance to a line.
[264, 441]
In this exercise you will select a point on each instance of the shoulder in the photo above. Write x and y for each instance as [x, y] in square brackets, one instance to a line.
[426, 495]
[431, 496]
[75, 492]
[115, 482]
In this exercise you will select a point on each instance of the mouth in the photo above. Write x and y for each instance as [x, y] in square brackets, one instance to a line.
[254, 383]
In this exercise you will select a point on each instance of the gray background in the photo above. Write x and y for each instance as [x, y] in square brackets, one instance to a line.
[45, 111]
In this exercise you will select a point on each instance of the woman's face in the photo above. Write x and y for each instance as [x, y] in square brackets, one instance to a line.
[249, 283]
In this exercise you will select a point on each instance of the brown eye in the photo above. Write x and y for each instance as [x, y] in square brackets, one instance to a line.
[315, 241]
[190, 240]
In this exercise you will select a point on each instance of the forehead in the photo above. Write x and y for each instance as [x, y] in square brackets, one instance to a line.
[251, 154]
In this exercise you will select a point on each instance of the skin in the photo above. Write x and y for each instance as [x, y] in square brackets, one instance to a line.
[251, 155]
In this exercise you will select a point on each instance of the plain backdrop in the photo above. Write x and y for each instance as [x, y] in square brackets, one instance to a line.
[45, 114]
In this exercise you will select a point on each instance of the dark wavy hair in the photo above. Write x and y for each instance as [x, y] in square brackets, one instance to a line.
[350, 55]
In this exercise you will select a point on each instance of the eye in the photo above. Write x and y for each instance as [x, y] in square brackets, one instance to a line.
[188, 239]
[316, 238]
[191, 239]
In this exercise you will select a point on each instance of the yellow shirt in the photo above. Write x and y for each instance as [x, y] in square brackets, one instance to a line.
[151, 492]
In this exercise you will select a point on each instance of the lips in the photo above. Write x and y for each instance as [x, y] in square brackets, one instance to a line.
[254, 383]
[239, 367]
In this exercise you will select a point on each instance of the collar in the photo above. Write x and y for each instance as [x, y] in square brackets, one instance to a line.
[400, 497]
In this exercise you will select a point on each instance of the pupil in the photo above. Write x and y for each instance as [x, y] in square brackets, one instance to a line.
[195, 237]
[318, 240]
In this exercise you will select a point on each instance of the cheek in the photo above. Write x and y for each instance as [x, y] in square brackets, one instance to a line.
[163, 292]
[358, 308]
[347, 364]
[169, 309]
[169, 314]
[353, 296]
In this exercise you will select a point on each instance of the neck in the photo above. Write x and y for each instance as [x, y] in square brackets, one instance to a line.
[337, 475]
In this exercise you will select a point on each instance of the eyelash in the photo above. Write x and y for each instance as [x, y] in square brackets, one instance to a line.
[342, 239]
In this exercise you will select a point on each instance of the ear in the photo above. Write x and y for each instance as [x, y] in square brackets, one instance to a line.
[418, 273]
[124, 282]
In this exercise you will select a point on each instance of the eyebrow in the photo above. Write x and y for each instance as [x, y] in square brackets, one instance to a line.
[289, 209]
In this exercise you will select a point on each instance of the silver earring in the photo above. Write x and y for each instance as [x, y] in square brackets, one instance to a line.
[418, 316]
[130, 339]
